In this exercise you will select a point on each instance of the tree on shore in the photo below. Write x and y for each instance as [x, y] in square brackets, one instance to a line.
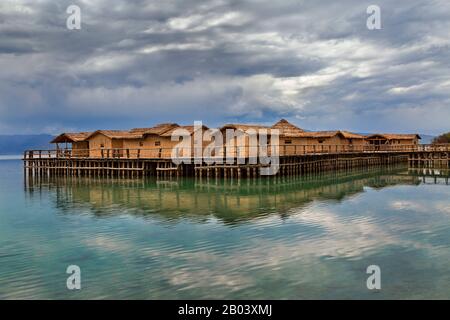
[443, 138]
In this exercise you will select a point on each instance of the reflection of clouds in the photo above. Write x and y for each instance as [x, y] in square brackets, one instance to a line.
[238, 266]
[416, 206]
[202, 267]
[189, 278]
[26, 292]
[443, 207]
[352, 230]
[334, 234]
[342, 237]
[314, 240]
[408, 205]
[108, 243]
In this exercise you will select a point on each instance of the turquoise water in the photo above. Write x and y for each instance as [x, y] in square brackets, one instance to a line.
[302, 238]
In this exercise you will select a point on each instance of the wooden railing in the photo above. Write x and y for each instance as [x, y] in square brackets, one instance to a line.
[245, 152]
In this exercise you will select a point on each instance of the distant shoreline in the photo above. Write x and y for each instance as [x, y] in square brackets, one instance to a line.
[10, 157]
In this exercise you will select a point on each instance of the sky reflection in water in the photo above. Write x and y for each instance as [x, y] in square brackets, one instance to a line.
[295, 238]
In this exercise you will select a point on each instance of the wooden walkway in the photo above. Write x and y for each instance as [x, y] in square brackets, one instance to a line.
[130, 164]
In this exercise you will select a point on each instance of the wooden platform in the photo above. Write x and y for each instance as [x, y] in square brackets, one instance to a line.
[289, 165]
[63, 163]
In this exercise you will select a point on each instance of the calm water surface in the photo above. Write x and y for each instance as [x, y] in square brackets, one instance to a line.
[302, 238]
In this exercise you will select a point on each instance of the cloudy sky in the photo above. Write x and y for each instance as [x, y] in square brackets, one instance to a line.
[137, 63]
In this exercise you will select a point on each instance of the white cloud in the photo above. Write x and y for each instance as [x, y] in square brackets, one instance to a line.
[200, 22]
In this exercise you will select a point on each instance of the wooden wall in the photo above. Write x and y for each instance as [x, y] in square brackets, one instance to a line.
[95, 144]
[80, 149]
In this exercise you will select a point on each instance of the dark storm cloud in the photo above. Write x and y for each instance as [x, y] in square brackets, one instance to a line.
[141, 62]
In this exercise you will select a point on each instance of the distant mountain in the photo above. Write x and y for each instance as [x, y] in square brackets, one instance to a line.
[17, 144]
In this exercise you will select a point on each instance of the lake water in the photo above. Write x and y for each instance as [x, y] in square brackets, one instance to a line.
[293, 238]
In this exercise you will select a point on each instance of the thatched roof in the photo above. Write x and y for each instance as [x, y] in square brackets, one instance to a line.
[287, 129]
[163, 129]
[351, 135]
[71, 137]
[243, 127]
[157, 129]
[394, 136]
[319, 134]
[116, 134]
[330, 134]
[190, 129]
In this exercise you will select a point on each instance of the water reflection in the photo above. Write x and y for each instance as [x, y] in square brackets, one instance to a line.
[291, 237]
[228, 201]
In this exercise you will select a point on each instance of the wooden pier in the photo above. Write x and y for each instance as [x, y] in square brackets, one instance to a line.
[129, 163]
[430, 157]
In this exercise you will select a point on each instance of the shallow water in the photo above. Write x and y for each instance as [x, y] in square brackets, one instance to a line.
[296, 238]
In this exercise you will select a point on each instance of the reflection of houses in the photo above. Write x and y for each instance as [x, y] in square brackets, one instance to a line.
[229, 202]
